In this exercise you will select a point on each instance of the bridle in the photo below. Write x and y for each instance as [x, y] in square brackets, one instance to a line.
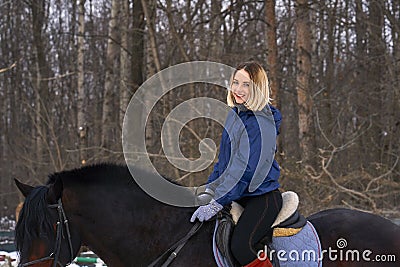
[61, 222]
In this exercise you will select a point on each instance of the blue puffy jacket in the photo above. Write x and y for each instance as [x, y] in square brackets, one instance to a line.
[246, 153]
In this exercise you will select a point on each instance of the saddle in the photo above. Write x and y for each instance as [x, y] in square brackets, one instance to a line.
[288, 222]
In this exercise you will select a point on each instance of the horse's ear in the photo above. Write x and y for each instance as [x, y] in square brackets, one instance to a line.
[55, 191]
[24, 188]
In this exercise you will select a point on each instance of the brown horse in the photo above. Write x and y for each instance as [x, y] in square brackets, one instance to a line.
[103, 208]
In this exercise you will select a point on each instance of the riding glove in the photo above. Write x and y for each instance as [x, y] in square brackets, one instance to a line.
[204, 213]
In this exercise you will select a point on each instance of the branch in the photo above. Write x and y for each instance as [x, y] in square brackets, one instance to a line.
[385, 174]
[348, 190]
[9, 68]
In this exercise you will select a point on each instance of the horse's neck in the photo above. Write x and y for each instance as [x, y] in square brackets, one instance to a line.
[113, 219]
[134, 219]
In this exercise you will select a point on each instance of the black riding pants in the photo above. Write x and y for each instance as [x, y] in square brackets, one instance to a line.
[254, 224]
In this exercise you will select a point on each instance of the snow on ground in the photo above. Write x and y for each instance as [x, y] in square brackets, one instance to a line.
[10, 259]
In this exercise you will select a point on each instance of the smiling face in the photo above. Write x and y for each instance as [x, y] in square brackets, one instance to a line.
[249, 86]
[240, 86]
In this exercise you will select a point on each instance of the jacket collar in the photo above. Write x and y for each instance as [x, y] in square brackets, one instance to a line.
[240, 107]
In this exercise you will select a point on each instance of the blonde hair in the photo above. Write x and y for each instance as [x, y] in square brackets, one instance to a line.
[259, 95]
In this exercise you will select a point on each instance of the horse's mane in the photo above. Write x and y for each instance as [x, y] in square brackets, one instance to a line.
[34, 218]
[101, 172]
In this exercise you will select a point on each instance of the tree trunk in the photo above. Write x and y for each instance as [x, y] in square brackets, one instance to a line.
[272, 50]
[81, 104]
[124, 83]
[377, 78]
[361, 30]
[303, 62]
[156, 57]
[137, 49]
[330, 68]
[152, 35]
[215, 42]
[42, 74]
[109, 122]
[137, 66]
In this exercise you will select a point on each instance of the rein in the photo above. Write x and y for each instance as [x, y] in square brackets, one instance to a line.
[175, 248]
[62, 221]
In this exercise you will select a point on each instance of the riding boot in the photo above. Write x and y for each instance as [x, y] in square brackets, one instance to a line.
[260, 263]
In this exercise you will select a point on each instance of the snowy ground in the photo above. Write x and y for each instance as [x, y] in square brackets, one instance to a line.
[10, 259]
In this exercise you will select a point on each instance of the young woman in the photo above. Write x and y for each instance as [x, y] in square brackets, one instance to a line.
[246, 155]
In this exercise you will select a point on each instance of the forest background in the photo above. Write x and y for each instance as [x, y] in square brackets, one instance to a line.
[69, 68]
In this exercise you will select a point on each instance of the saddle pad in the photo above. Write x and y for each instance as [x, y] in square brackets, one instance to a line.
[300, 250]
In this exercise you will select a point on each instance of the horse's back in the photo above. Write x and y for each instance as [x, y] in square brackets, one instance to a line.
[345, 229]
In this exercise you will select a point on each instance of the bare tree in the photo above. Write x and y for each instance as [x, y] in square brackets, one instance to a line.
[272, 49]
[124, 60]
[304, 98]
[137, 49]
[109, 125]
[38, 9]
[81, 103]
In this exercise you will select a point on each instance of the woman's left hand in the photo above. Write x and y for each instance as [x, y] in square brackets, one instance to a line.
[204, 213]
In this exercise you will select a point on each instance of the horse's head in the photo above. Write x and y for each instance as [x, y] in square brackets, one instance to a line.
[43, 233]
